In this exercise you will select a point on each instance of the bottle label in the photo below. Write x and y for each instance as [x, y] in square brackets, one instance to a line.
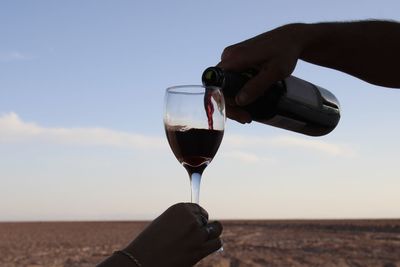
[302, 91]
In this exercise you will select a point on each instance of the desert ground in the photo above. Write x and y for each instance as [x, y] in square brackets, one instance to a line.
[246, 243]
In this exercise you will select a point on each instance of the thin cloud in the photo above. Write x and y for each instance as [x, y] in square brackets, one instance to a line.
[13, 56]
[316, 145]
[331, 149]
[247, 157]
[13, 129]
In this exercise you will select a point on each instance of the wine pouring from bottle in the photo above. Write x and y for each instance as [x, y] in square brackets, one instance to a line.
[292, 104]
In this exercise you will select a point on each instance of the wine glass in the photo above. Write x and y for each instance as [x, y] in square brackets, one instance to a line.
[194, 121]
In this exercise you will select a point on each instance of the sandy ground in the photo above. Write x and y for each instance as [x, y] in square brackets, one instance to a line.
[247, 243]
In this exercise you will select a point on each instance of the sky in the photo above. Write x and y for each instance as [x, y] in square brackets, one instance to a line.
[81, 105]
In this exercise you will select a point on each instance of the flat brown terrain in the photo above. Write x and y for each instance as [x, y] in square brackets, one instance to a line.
[247, 243]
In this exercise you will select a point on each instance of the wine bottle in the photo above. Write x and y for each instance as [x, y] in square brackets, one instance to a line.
[292, 104]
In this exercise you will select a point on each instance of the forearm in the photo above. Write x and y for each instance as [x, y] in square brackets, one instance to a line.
[369, 50]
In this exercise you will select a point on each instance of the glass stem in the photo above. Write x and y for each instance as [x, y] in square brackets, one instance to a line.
[195, 179]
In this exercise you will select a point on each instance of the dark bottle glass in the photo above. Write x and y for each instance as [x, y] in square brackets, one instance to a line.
[292, 104]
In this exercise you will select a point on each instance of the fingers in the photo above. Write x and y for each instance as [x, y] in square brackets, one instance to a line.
[198, 210]
[244, 55]
[210, 247]
[238, 114]
[200, 215]
[193, 208]
[194, 215]
[258, 85]
[272, 53]
[239, 58]
[207, 232]
[235, 58]
[201, 210]
[204, 231]
[212, 230]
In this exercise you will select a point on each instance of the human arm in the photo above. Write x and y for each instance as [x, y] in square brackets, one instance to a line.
[368, 50]
[181, 236]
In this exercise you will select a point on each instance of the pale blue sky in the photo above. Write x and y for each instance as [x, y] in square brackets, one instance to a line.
[81, 97]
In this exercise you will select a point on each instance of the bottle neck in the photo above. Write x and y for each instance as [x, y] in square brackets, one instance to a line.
[213, 76]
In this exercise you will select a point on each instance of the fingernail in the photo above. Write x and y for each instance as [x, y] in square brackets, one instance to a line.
[242, 99]
[243, 120]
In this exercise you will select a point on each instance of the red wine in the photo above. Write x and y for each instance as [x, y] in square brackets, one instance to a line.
[208, 106]
[194, 148]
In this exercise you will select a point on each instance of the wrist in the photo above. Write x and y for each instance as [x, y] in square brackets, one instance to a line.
[317, 41]
[300, 36]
